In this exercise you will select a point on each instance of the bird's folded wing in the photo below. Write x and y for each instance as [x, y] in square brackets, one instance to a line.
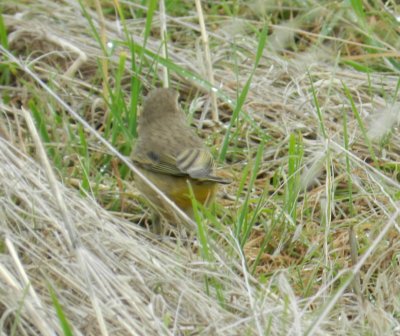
[197, 163]
[159, 163]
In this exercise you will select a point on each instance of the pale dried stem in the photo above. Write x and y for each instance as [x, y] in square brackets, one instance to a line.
[164, 41]
[186, 219]
[35, 308]
[207, 56]
[68, 227]
[104, 59]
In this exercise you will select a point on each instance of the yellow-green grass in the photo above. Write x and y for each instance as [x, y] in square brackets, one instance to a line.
[305, 239]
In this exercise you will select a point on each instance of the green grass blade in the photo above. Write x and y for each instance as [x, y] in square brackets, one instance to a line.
[242, 97]
[293, 184]
[5, 72]
[92, 25]
[358, 8]
[316, 103]
[360, 122]
[18, 311]
[152, 5]
[244, 226]
[348, 168]
[60, 313]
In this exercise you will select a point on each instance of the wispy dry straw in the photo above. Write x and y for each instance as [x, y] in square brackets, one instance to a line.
[208, 62]
[137, 282]
[164, 42]
[144, 286]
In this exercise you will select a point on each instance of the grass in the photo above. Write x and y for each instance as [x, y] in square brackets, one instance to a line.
[306, 238]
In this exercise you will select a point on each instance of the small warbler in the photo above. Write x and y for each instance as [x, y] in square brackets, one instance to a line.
[171, 155]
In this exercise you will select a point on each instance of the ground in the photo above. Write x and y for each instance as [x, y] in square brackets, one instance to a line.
[298, 102]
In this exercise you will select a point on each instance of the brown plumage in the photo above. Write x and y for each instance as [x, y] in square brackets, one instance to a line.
[170, 154]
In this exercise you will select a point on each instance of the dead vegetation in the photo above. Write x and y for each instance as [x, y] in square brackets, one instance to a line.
[328, 174]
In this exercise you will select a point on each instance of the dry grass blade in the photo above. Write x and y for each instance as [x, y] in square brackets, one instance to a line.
[164, 41]
[186, 220]
[311, 138]
[208, 63]
[139, 284]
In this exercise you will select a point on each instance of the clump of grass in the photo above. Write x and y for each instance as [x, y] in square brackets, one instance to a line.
[307, 234]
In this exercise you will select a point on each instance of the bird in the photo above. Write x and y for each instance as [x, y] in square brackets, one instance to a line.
[173, 157]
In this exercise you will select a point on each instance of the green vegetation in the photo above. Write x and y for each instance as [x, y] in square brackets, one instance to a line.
[306, 238]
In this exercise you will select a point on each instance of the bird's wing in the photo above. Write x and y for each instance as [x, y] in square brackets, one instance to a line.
[159, 163]
[197, 163]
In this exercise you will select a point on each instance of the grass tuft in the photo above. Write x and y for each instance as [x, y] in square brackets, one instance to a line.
[306, 238]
